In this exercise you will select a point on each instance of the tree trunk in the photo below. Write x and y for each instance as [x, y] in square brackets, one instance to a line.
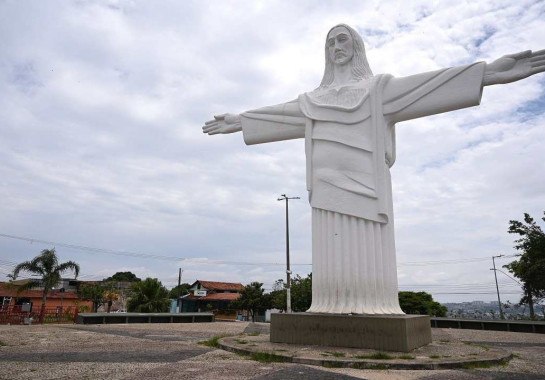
[42, 309]
[531, 304]
[109, 306]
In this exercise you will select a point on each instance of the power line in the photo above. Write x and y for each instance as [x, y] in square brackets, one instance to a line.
[201, 261]
[439, 289]
[447, 284]
[452, 261]
[514, 293]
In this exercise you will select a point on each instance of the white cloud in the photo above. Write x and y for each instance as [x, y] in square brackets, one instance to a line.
[100, 140]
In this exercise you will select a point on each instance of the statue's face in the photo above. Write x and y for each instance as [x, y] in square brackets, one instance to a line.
[340, 45]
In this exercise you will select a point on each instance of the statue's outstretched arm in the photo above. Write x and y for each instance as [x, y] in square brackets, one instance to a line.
[225, 123]
[513, 67]
[283, 121]
[459, 87]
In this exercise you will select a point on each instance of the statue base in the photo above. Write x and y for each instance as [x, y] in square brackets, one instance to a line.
[402, 333]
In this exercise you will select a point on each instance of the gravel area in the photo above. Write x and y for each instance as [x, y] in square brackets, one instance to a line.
[172, 351]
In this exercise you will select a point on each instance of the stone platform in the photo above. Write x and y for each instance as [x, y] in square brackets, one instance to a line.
[440, 354]
[401, 333]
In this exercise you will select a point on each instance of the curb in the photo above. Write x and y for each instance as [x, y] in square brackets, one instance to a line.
[501, 357]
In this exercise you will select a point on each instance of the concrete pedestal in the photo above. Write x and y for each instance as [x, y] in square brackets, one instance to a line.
[380, 332]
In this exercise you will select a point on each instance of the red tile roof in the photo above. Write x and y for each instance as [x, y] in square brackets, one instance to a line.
[214, 297]
[221, 297]
[213, 285]
[8, 291]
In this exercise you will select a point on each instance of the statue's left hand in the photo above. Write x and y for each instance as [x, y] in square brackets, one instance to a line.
[513, 67]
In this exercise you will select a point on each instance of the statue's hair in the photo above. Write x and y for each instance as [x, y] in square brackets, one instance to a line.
[360, 66]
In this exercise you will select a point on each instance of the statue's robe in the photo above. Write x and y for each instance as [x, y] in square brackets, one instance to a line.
[350, 146]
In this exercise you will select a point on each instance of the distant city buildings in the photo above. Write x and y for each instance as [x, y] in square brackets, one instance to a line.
[486, 310]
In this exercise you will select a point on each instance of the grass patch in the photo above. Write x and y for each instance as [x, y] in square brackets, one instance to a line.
[253, 334]
[406, 357]
[265, 357]
[213, 342]
[377, 356]
[2, 344]
[477, 365]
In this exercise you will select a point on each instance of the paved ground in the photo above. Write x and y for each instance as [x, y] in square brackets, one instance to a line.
[172, 351]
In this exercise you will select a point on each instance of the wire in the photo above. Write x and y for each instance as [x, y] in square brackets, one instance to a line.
[452, 261]
[201, 261]
[499, 270]
[475, 293]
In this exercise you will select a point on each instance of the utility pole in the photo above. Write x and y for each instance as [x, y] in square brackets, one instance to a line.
[497, 288]
[288, 270]
[179, 288]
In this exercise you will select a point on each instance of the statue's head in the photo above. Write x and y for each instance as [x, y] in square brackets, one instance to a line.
[344, 46]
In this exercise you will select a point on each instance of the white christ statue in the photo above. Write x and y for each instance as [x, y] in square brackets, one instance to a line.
[348, 124]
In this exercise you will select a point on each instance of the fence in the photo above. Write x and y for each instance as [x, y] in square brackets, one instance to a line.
[496, 325]
[15, 315]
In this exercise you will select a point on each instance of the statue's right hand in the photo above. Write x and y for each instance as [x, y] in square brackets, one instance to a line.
[225, 123]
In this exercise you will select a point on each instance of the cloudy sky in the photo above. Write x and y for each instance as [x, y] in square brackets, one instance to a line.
[102, 154]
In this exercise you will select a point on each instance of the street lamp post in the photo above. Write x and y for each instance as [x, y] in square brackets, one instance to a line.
[288, 270]
[497, 288]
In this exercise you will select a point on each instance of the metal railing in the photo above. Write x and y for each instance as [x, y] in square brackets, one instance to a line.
[15, 315]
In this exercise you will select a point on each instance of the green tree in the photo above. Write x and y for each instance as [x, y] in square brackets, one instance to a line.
[278, 295]
[148, 296]
[253, 299]
[109, 297]
[122, 277]
[46, 265]
[530, 267]
[179, 290]
[421, 303]
[92, 292]
[301, 294]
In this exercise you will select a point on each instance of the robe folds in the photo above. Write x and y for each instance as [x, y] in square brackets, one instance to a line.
[350, 146]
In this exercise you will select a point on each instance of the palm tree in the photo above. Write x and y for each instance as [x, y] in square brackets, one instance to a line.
[110, 296]
[47, 266]
[148, 296]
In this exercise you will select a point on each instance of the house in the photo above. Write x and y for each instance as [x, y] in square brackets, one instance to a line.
[212, 296]
[32, 299]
